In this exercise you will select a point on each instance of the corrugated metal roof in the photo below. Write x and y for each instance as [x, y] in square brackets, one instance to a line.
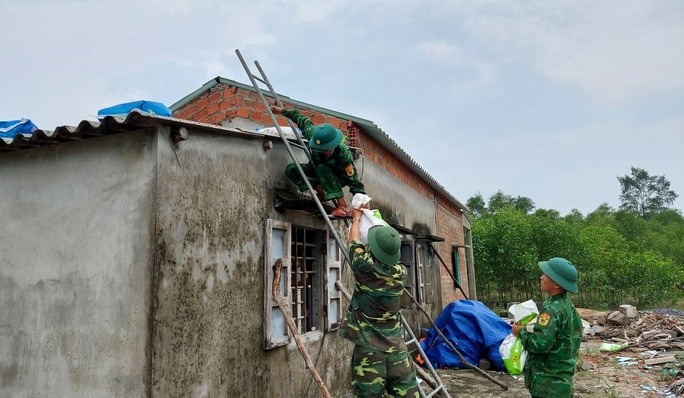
[135, 120]
[368, 126]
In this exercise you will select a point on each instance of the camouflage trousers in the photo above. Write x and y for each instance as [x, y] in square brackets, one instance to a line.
[383, 374]
[323, 175]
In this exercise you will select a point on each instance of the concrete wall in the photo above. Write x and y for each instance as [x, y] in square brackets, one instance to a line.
[74, 271]
[131, 270]
[211, 216]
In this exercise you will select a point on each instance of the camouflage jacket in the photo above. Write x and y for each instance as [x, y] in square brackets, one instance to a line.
[341, 162]
[552, 349]
[373, 319]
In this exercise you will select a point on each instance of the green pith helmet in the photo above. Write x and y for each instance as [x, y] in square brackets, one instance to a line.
[562, 272]
[325, 137]
[385, 244]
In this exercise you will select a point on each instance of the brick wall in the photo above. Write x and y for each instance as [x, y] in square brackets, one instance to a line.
[224, 102]
[450, 227]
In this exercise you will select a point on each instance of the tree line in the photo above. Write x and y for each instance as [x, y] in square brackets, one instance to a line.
[634, 254]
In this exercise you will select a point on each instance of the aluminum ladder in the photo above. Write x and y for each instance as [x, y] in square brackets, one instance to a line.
[438, 387]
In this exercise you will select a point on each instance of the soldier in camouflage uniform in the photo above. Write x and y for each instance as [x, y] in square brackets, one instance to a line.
[380, 363]
[553, 345]
[332, 165]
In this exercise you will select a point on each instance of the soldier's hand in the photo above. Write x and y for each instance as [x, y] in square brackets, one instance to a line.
[515, 328]
[276, 109]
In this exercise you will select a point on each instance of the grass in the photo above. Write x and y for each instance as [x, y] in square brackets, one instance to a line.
[679, 305]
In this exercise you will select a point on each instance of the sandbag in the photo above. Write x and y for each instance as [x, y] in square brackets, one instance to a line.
[513, 354]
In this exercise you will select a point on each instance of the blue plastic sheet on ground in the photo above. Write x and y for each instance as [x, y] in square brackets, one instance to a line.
[10, 128]
[475, 331]
[121, 110]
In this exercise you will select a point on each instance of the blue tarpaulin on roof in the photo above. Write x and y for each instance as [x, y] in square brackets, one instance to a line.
[10, 128]
[121, 110]
[475, 331]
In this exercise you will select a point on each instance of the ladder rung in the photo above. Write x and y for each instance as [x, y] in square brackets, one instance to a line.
[436, 390]
[260, 79]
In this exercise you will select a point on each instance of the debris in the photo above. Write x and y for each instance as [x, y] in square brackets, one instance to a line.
[677, 387]
[630, 311]
[612, 347]
[618, 318]
[626, 361]
[659, 361]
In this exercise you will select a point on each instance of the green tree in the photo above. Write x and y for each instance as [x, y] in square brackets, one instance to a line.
[645, 194]
[553, 236]
[500, 201]
[506, 259]
[621, 257]
[476, 205]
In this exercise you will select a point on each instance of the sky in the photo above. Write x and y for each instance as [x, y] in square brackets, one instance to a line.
[550, 100]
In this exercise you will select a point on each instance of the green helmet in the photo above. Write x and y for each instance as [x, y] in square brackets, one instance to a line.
[325, 137]
[385, 244]
[562, 272]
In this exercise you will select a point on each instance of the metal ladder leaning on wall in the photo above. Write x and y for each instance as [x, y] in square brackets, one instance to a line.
[437, 386]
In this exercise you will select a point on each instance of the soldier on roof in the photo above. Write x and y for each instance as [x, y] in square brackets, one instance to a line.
[332, 165]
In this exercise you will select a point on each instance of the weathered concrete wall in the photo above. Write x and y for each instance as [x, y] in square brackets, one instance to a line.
[211, 216]
[125, 273]
[74, 271]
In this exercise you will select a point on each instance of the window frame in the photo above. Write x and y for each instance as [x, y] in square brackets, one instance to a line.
[328, 303]
[408, 259]
[274, 317]
[333, 299]
[456, 266]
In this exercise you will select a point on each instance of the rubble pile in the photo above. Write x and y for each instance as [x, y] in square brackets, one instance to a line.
[650, 330]
[656, 339]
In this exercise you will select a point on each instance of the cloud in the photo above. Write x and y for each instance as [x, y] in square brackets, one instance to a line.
[615, 51]
[441, 51]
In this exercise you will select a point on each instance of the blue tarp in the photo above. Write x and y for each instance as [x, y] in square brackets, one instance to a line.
[475, 331]
[10, 128]
[121, 110]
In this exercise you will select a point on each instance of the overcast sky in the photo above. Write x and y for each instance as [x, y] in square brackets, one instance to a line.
[548, 100]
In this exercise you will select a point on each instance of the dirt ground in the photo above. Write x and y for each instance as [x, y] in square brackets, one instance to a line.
[601, 377]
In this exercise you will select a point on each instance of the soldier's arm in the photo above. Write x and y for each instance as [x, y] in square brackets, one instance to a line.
[304, 123]
[361, 260]
[544, 335]
[349, 175]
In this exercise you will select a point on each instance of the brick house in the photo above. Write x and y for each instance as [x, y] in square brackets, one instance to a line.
[232, 104]
[140, 251]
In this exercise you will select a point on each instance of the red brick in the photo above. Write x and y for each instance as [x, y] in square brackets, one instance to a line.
[259, 107]
[212, 108]
[243, 112]
[202, 103]
[199, 116]
[215, 96]
[217, 118]
[248, 103]
[266, 119]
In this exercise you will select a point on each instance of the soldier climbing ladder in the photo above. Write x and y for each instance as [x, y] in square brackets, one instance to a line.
[436, 384]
